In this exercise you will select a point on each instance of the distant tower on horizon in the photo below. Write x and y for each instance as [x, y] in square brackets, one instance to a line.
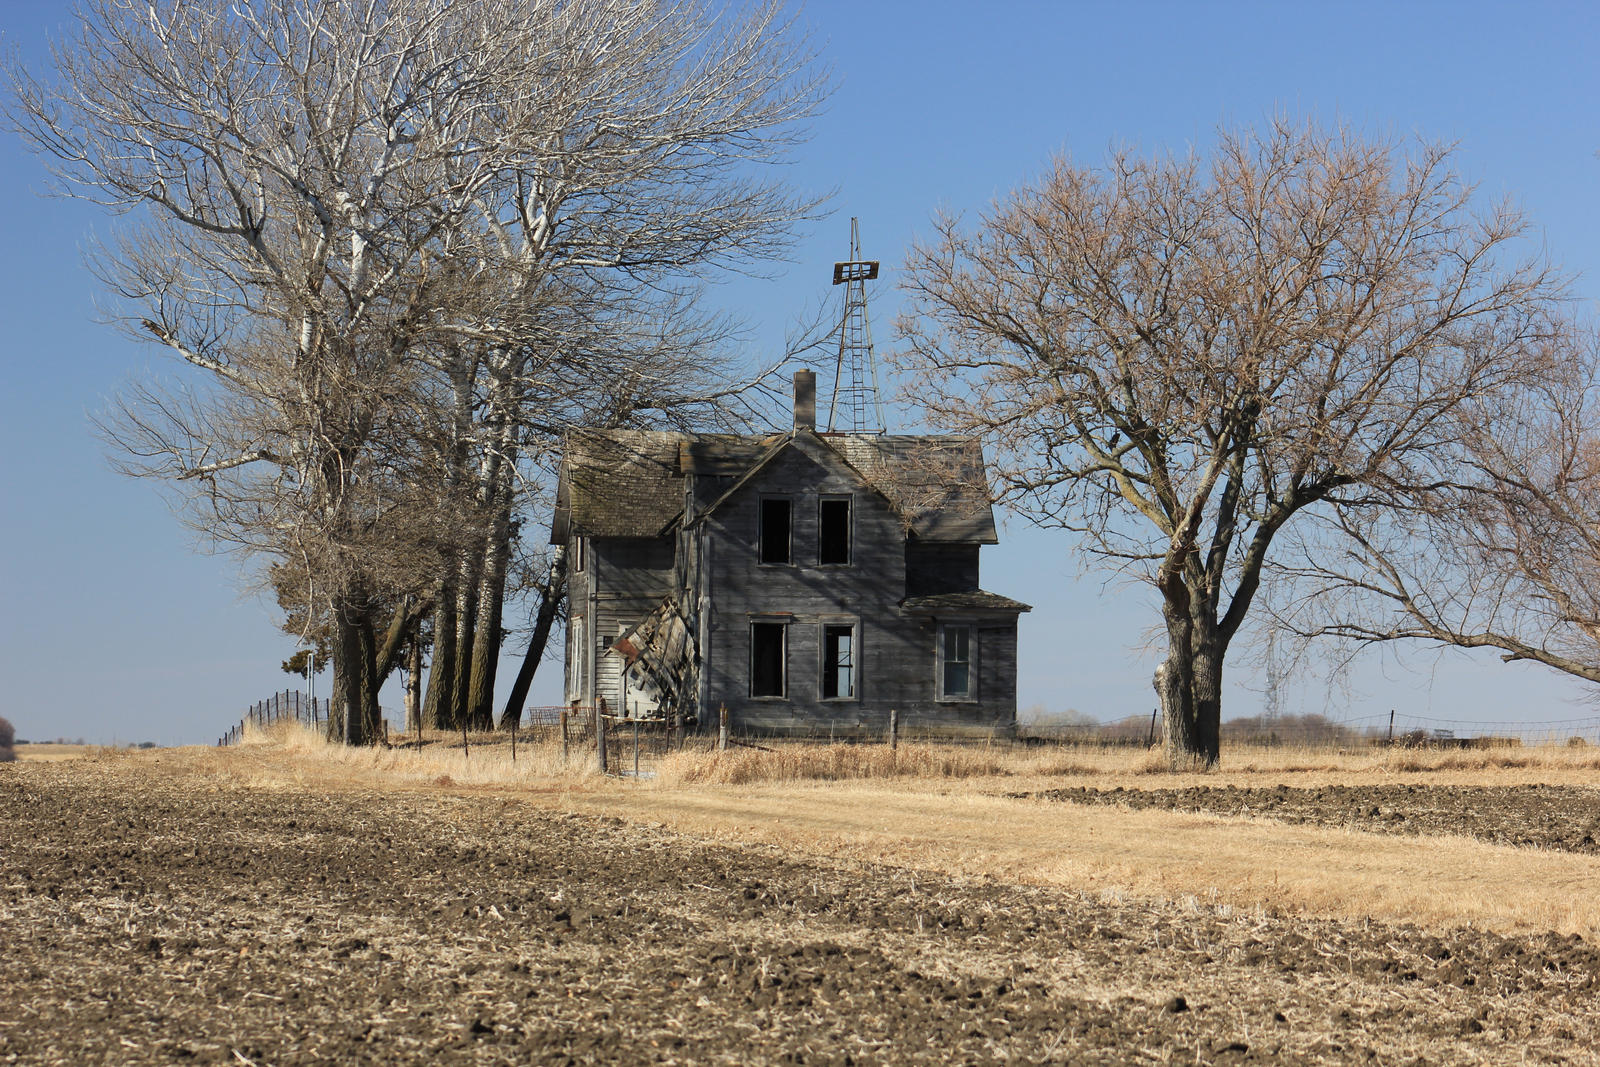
[856, 406]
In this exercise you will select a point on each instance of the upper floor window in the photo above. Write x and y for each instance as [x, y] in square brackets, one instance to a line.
[833, 530]
[776, 521]
[955, 661]
[580, 556]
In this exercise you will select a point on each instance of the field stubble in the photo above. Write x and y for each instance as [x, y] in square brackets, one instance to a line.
[284, 902]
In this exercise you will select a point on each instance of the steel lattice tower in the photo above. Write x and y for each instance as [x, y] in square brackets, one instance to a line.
[855, 406]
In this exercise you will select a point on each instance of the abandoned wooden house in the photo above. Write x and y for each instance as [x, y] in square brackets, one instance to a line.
[809, 582]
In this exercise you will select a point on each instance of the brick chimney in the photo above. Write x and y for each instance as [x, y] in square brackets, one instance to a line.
[805, 400]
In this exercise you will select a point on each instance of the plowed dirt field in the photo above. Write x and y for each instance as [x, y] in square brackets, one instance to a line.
[1566, 818]
[153, 915]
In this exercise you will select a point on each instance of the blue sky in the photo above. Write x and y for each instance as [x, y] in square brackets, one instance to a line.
[115, 628]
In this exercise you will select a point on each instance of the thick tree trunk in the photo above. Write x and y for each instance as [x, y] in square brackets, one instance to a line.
[444, 705]
[414, 684]
[555, 590]
[486, 632]
[466, 617]
[498, 489]
[356, 647]
[400, 630]
[333, 727]
[1188, 684]
[438, 712]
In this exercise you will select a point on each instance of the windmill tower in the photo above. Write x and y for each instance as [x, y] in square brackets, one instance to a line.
[856, 406]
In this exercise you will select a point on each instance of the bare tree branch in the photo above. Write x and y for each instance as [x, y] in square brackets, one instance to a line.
[1176, 360]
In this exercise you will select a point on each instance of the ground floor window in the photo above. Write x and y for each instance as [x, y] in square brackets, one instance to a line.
[768, 656]
[839, 662]
[955, 661]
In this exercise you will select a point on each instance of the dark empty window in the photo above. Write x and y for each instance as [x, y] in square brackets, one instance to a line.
[956, 662]
[774, 530]
[838, 662]
[766, 659]
[833, 535]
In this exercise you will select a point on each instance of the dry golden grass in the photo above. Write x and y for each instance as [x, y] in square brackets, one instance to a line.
[834, 763]
[792, 762]
[49, 753]
[1239, 862]
[265, 753]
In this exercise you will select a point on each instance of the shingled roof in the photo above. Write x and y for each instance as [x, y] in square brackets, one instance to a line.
[630, 483]
[937, 483]
[619, 483]
[972, 600]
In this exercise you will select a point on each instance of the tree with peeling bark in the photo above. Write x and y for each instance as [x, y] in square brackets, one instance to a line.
[402, 242]
[1179, 359]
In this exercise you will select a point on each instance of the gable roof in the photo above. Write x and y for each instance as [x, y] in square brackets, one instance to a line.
[938, 483]
[630, 483]
[618, 483]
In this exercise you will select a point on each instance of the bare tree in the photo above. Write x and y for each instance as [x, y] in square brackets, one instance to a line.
[1505, 556]
[1173, 359]
[396, 238]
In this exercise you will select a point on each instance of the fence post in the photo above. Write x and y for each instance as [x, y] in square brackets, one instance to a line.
[1152, 738]
[564, 752]
[465, 752]
[894, 729]
[1391, 726]
[722, 729]
[600, 734]
[514, 739]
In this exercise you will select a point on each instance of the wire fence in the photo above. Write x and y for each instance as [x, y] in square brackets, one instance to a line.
[285, 706]
[628, 741]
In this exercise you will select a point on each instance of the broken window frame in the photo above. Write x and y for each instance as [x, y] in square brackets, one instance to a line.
[580, 555]
[848, 532]
[942, 662]
[781, 627]
[788, 532]
[852, 626]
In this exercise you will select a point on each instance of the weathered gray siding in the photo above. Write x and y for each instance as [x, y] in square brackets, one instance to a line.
[933, 568]
[633, 566]
[713, 570]
[895, 654]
